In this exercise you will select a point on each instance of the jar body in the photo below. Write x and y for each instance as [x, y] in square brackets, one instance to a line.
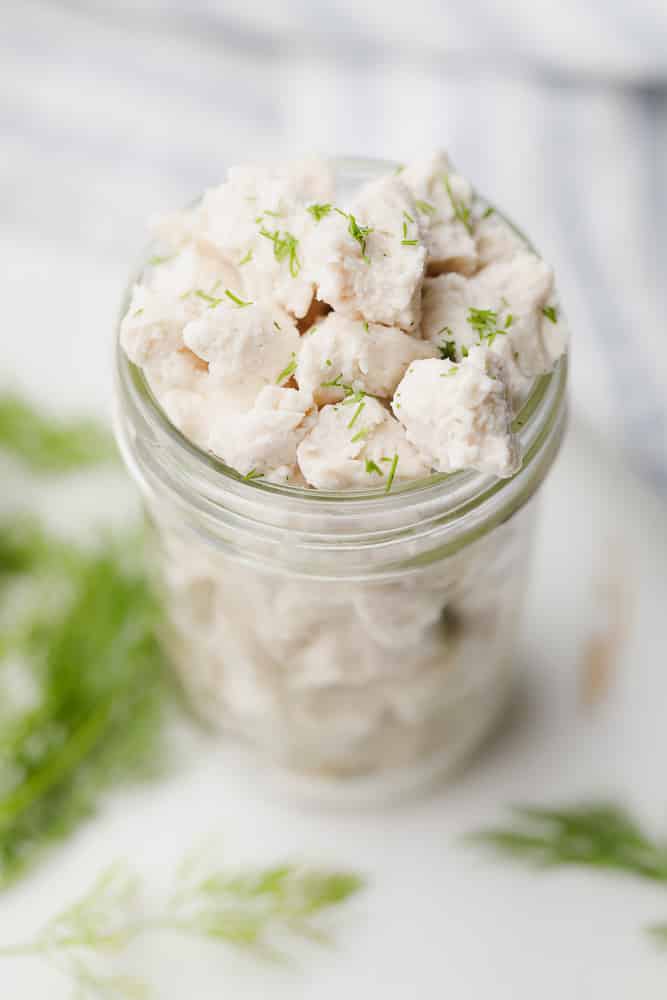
[348, 679]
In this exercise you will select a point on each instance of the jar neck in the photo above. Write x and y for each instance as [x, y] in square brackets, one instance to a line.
[312, 532]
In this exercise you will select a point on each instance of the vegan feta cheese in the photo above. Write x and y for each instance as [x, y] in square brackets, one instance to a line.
[458, 416]
[310, 341]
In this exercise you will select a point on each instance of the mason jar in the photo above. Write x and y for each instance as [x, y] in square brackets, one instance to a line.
[361, 642]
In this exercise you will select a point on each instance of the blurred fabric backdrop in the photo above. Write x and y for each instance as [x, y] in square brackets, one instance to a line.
[557, 111]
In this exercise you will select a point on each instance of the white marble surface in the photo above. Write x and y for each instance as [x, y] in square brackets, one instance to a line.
[437, 919]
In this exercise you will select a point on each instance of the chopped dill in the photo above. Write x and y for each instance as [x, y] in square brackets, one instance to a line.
[485, 324]
[425, 207]
[277, 324]
[236, 300]
[360, 234]
[360, 435]
[372, 466]
[137, 312]
[448, 349]
[285, 246]
[318, 212]
[409, 243]
[459, 207]
[407, 216]
[487, 212]
[253, 474]
[356, 414]
[212, 301]
[366, 325]
[551, 313]
[287, 371]
[246, 259]
[157, 260]
[392, 472]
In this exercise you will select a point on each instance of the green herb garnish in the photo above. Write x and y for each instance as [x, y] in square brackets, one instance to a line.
[288, 371]
[212, 301]
[392, 472]
[550, 313]
[253, 474]
[246, 259]
[156, 261]
[318, 212]
[487, 212]
[425, 207]
[459, 207]
[356, 414]
[409, 243]
[360, 234]
[236, 300]
[407, 216]
[360, 435]
[371, 466]
[485, 324]
[284, 246]
[448, 373]
[137, 312]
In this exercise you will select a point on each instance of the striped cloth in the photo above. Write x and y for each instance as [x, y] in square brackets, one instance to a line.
[558, 112]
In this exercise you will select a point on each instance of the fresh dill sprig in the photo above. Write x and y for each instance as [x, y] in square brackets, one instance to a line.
[591, 836]
[285, 246]
[287, 371]
[253, 474]
[449, 372]
[409, 243]
[86, 638]
[392, 472]
[319, 211]
[246, 259]
[157, 260]
[257, 910]
[460, 209]
[407, 216]
[360, 435]
[487, 212]
[551, 313]
[47, 444]
[236, 300]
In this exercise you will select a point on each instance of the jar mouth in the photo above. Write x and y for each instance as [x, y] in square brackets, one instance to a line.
[525, 425]
[218, 501]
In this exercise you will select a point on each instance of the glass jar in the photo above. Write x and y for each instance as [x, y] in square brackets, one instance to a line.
[362, 641]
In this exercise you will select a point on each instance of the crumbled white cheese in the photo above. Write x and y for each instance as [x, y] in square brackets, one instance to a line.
[496, 239]
[264, 439]
[514, 292]
[459, 416]
[252, 345]
[353, 445]
[351, 353]
[370, 263]
[272, 300]
[443, 200]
